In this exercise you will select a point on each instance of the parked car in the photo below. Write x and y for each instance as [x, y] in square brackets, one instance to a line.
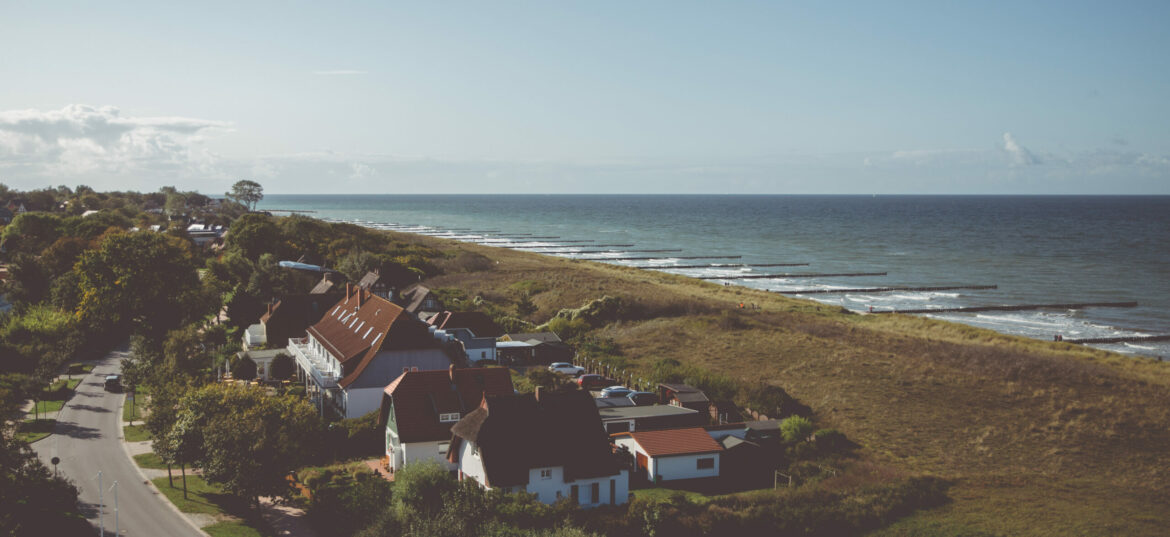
[616, 391]
[566, 368]
[113, 383]
[643, 398]
[592, 382]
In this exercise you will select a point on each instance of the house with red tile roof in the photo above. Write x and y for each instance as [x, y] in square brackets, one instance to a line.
[672, 454]
[550, 444]
[420, 407]
[361, 344]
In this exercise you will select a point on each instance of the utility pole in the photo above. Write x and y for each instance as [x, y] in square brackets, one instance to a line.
[101, 506]
[117, 531]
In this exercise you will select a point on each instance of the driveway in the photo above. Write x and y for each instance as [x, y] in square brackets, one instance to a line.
[87, 440]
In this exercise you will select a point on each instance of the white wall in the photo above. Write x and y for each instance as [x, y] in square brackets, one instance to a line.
[362, 401]
[672, 467]
[684, 466]
[546, 489]
[471, 465]
[424, 451]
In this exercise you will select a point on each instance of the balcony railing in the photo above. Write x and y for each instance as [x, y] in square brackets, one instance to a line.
[310, 361]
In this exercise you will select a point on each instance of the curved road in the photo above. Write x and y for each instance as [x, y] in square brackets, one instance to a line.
[88, 439]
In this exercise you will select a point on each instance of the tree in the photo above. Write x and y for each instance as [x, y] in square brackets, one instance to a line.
[246, 440]
[247, 192]
[244, 369]
[281, 367]
[145, 281]
[796, 428]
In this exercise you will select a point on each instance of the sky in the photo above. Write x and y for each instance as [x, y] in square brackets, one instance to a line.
[588, 97]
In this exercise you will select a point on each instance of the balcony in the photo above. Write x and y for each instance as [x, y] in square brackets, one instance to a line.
[255, 337]
[310, 361]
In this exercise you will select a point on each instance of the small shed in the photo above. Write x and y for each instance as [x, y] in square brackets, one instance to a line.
[672, 454]
[683, 396]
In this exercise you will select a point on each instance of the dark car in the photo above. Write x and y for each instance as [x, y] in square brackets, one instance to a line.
[113, 383]
[592, 382]
[643, 398]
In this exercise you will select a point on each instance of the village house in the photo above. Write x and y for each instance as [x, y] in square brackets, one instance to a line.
[359, 346]
[286, 318]
[419, 301]
[419, 408]
[377, 284]
[550, 444]
[684, 396]
[538, 348]
[671, 454]
[475, 331]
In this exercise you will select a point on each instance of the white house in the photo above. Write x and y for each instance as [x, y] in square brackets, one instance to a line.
[548, 444]
[671, 454]
[475, 332]
[420, 407]
[358, 347]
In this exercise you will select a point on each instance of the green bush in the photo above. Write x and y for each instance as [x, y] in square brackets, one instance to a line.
[243, 369]
[796, 428]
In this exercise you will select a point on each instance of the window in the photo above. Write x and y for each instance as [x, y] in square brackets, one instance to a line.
[414, 369]
[574, 494]
[546, 473]
[705, 463]
[444, 447]
[475, 450]
[595, 492]
[453, 416]
[559, 495]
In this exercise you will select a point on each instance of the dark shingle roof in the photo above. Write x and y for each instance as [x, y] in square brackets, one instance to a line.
[413, 297]
[420, 396]
[516, 433]
[479, 323]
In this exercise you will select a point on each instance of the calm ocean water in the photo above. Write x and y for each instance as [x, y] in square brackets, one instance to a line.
[1037, 249]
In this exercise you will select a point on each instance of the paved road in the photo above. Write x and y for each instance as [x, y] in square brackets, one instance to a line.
[87, 439]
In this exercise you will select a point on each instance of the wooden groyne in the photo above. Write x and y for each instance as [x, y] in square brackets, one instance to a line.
[886, 289]
[796, 275]
[728, 265]
[1021, 307]
[660, 257]
[1122, 339]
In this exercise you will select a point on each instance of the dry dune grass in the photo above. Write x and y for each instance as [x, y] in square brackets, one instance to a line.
[1041, 438]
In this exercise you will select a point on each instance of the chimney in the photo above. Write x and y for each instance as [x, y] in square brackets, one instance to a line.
[270, 308]
[360, 291]
[538, 390]
[348, 291]
[451, 373]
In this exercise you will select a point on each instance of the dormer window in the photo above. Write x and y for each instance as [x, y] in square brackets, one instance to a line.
[449, 417]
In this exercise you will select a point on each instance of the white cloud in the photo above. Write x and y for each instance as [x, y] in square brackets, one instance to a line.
[362, 171]
[340, 72]
[84, 141]
[1019, 154]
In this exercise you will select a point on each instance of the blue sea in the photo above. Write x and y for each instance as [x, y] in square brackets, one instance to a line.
[1036, 249]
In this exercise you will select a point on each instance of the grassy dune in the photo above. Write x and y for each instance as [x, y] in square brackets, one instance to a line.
[1041, 438]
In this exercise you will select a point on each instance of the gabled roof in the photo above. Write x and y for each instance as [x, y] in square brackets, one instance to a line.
[420, 396]
[413, 297]
[322, 287]
[299, 308]
[519, 432]
[667, 442]
[363, 324]
[370, 280]
[685, 393]
[542, 337]
[477, 322]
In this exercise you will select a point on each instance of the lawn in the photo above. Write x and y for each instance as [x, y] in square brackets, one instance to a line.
[80, 369]
[659, 494]
[132, 410]
[150, 460]
[54, 396]
[32, 430]
[231, 529]
[206, 498]
[202, 497]
[135, 433]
